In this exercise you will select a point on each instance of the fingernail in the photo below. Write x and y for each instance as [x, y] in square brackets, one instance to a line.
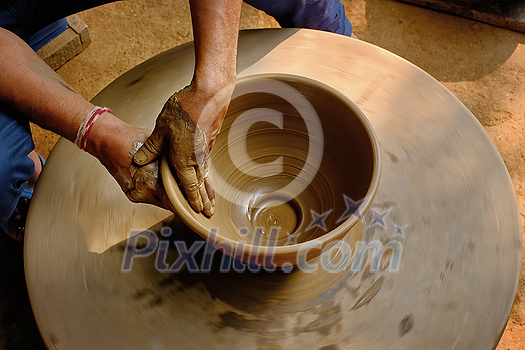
[212, 211]
[140, 157]
[213, 201]
[197, 206]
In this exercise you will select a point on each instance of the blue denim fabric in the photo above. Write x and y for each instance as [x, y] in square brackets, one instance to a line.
[38, 39]
[37, 22]
[29, 18]
[327, 15]
[15, 166]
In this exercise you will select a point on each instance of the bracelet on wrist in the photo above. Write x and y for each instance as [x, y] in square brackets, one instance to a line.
[85, 128]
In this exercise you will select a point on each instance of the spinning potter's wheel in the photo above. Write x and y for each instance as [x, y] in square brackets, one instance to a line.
[444, 197]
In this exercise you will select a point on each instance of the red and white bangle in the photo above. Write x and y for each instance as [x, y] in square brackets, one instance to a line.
[85, 128]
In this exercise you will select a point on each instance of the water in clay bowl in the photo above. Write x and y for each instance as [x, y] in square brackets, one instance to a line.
[295, 167]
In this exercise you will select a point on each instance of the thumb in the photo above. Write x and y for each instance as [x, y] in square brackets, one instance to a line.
[150, 150]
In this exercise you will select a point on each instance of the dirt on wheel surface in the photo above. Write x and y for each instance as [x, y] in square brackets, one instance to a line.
[483, 65]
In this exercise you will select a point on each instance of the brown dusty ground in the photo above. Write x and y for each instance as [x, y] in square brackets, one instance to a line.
[484, 66]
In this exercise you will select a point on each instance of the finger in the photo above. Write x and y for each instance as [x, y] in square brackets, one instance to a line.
[146, 184]
[204, 167]
[191, 187]
[210, 190]
[150, 150]
[208, 208]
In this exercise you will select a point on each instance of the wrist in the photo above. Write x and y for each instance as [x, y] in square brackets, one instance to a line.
[207, 107]
[211, 86]
[84, 129]
[110, 139]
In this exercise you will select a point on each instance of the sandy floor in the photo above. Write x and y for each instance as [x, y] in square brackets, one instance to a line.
[484, 66]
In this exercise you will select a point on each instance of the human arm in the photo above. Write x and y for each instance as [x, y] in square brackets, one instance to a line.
[204, 101]
[28, 85]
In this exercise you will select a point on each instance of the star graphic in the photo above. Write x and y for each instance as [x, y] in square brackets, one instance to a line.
[292, 239]
[379, 218]
[351, 208]
[318, 220]
[399, 231]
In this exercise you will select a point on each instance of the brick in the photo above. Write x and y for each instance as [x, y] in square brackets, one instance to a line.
[81, 28]
[61, 49]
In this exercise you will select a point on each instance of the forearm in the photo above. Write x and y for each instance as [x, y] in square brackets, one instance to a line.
[33, 88]
[30, 86]
[216, 30]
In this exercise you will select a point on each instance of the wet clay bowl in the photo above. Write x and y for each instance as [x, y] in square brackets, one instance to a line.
[295, 167]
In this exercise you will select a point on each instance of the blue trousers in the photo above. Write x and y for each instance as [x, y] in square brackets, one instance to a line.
[327, 15]
[39, 21]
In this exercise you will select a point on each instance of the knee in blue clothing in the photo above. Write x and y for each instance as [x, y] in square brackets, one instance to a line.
[327, 15]
[15, 165]
[11, 187]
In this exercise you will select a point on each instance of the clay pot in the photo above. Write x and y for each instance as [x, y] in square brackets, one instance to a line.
[295, 167]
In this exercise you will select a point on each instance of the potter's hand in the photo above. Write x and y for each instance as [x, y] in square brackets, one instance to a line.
[140, 184]
[118, 144]
[204, 103]
[188, 152]
[145, 185]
